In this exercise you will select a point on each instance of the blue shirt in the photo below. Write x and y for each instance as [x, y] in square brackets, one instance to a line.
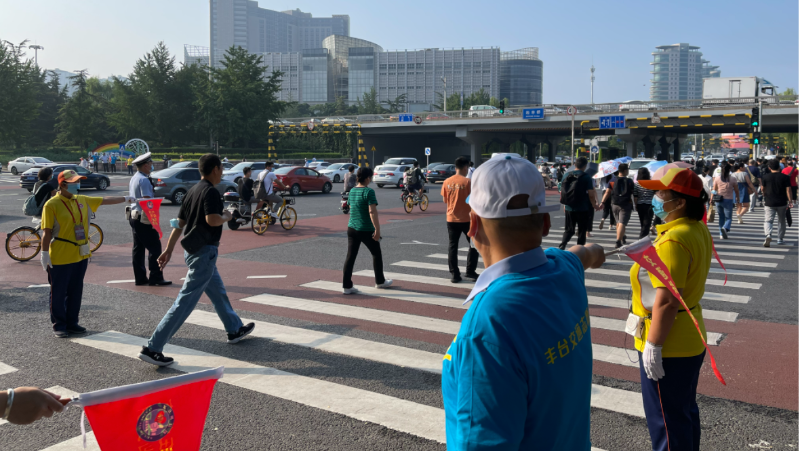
[518, 375]
[140, 187]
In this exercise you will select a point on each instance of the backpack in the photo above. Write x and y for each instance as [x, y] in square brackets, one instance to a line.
[30, 207]
[622, 191]
[569, 193]
[413, 178]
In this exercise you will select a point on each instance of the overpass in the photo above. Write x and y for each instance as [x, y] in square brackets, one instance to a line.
[656, 124]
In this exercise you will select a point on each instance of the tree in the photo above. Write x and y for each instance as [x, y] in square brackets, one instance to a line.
[398, 104]
[480, 97]
[80, 118]
[790, 138]
[239, 99]
[51, 97]
[370, 104]
[453, 101]
[20, 83]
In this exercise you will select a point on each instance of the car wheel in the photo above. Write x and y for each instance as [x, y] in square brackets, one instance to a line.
[102, 185]
[14, 170]
[380, 186]
[178, 196]
[336, 178]
[295, 190]
[326, 188]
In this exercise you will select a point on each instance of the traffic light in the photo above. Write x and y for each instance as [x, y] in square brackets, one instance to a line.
[502, 106]
[756, 137]
[754, 118]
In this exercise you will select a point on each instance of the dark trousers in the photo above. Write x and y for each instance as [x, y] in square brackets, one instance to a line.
[66, 291]
[454, 231]
[607, 213]
[670, 404]
[130, 169]
[645, 218]
[354, 240]
[579, 220]
[114, 167]
[105, 167]
[146, 238]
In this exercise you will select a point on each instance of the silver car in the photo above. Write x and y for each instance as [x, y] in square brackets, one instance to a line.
[337, 171]
[174, 183]
[389, 175]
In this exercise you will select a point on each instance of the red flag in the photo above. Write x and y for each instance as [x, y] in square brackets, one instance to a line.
[167, 414]
[643, 253]
[151, 208]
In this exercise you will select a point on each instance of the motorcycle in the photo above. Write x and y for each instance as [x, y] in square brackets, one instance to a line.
[343, 205]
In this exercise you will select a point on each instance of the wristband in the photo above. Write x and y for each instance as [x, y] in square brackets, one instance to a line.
[9, 402]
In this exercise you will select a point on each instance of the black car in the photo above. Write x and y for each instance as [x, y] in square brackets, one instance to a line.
[440, 173]
[93, 180]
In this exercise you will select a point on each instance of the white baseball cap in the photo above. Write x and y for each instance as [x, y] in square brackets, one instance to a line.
[504, 176]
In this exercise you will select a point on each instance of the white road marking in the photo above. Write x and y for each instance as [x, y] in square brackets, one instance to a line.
[43, 285]
[122, 281]
[408, 296]
[265, 277]
[5, 369]
[623, 304]
[397, 414]
[630, 262]
[729, 244]
[617, 400]
[419, 242]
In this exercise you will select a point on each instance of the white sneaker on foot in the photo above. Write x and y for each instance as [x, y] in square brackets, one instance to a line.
[386, 284]
[273, 215]
[353, 290]
[767, 241]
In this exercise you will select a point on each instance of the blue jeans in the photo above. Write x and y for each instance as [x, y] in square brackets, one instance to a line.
[201, 278]
[725, 212]
[670, 404]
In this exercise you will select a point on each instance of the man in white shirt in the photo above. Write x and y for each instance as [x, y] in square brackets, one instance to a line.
[265, 193]
[471, 170]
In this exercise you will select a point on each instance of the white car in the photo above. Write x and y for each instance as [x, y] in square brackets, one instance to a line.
[337, 171]
[319, 165]
[22, 164]
[387, 174]
[334, 120]
[483, 111]
[237, 172]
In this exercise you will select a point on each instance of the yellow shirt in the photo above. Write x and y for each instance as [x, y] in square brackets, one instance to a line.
[684, 245]
[56, 215]
[130, 161]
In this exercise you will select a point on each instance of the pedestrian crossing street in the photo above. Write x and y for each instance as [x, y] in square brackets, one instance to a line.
[401, 311]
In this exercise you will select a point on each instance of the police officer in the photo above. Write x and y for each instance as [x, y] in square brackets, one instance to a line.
[145, 237]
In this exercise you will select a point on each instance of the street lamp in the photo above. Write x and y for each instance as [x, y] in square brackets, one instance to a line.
[444, 99]
[36, 48]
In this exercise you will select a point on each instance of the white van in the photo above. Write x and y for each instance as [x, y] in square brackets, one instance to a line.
[483, 111]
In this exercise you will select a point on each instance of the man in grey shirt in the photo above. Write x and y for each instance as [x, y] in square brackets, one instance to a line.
[145, 236]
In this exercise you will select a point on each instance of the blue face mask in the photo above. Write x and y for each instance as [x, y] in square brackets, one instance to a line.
[658, 208]
[72, 188]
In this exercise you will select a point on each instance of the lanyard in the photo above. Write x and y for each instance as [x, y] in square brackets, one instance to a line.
[70, 212]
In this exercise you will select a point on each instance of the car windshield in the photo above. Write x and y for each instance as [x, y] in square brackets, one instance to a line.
[41, 160]
[638, 164]
[396, 161]
[284, 170]
[184, 164]
[386, 168]
[335, 166]
[240, 167]
[166, 173]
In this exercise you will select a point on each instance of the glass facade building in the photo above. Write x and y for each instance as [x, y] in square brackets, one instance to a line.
[339, 50]
[195, 54]
[678, 71]
[521, 76]
[361, 72]
[290, 64]
[317, 85]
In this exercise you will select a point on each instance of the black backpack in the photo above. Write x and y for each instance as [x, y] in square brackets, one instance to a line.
[622, 191]
[570, 196]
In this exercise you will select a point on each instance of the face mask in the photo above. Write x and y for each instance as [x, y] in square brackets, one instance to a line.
[72, 188]
[658, 207]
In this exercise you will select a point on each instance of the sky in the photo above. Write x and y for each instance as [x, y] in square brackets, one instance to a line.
[744, 38]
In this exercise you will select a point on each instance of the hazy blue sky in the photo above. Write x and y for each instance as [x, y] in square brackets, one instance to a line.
[743, 37]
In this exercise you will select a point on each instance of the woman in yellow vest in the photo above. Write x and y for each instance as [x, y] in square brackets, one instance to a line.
[670, 350]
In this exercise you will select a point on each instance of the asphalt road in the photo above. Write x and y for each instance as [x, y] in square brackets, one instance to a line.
[757, 352]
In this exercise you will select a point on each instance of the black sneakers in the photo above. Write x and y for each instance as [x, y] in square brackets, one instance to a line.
[61, 334]
[473, 276]
[243, 332]
[456, 278]
[76, 330]
[155, 358]
[618, 244]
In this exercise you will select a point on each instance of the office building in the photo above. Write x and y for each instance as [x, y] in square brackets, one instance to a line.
[243, 23]
[521, 76]
[291, 65]
[710, 71]
[195, 54]
[677, 73]
[339, 50]
[317, 85]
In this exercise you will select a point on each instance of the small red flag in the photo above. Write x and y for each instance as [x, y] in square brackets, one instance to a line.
[151, 208]
[167, 414]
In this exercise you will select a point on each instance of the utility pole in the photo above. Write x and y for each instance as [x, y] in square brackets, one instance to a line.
[444, 99]
[36, 48]
[592, 84]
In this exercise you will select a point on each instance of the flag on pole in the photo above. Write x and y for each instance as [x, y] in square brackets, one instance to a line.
[151, 209]
[644, 253]
[167, 414]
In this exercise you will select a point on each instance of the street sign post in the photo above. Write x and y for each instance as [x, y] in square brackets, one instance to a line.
[533, 113]
[417, 120]
[427, 157]
[405, 117]
[609, 122]
[571, 112]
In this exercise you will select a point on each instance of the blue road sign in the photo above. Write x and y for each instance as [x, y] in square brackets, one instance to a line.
[405, 118]
[607, 122]
[533, 113]
[122, 147]
[427, 151]
[594, 149]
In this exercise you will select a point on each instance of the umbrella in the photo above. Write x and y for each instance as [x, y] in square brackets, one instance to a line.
[626, 160]
[605, 168]
[653, 166]
[663, 169]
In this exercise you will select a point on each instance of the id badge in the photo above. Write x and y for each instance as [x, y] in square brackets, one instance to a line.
[80, 233]
[634, 325]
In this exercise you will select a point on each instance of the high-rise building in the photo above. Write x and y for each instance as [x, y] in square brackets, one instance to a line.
[339, 48]
[195, 54]
[710, 71]
[243, 23]
[677, 73]
[291, 66]
[521, 76]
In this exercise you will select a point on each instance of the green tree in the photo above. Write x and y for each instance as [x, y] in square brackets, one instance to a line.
[20, 83]
[369, 104]
[239, 99]
[51, 97]
[398, 104]
[80, 120]
[790, 138]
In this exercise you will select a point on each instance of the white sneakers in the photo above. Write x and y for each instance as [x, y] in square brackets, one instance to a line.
[386, 284]
[767, 241]
[273, 215]
[353, 290]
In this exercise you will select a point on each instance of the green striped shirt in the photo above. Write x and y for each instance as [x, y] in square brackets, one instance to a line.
[359, 200]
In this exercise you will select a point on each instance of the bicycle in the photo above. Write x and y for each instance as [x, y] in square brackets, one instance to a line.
[287, 215]
[26, 240]
[409, 201]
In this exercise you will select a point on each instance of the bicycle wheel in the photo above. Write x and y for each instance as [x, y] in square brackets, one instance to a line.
[260, 222]
[423, 203]
[23, 244]
[409, 205]
[288, 218]
[95, 237]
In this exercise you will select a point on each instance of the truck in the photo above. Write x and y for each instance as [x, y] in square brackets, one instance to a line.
[738, 90]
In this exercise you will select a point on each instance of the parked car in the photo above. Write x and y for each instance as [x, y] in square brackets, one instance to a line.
[483, 111]
[440, 173]
[279, 122]
[730, 155]
[189, 164]
[337, 171]
[334, 120]
[237, 172]
[390, 174]
[303, 180]
[396, 161]
[174, 183]
[431, 166]
[370, 118]
[22, 164]
[319, 165]
[93, 180]
[436, 116]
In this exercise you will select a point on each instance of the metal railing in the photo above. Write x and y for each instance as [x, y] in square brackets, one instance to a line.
[651, 106]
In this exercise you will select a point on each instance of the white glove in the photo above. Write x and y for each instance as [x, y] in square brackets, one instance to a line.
[651, 361]
[46, 260]
[130, 199]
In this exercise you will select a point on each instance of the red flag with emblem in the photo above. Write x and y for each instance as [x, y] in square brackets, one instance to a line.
[151, 208]
[167, 414]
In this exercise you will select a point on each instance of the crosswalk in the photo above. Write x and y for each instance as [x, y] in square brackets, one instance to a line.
[416, 308]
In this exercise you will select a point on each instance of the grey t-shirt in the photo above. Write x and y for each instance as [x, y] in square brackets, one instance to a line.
[140, 187]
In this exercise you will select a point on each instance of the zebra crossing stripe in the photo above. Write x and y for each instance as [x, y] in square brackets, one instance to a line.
[726, 262]
[629, 262]
[5, 369]
[623, 304]
[729, 244]
[394, 413]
